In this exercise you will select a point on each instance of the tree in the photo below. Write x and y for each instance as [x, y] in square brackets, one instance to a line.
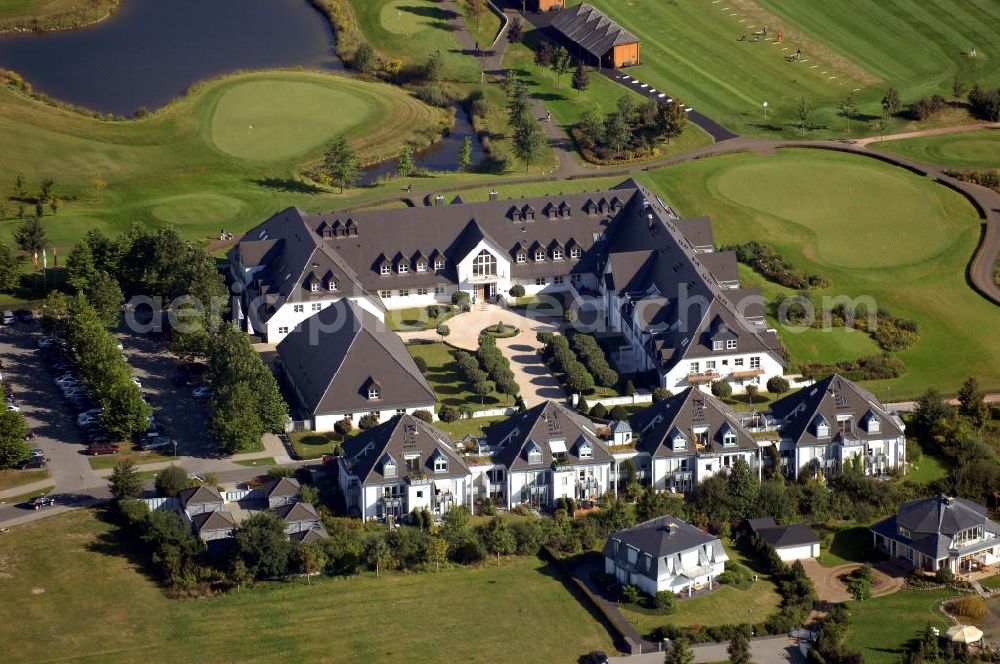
[263, 546]
[465, 154]
[498, 539]
[671, 119]
[476, 8]
[438, 551]
[368, 421]
[236, 425]
[106, 297]
[849, 109]
[13, 430]
[482, 389]
[985, 103]
[125, 413]
[434, 67]
[340, 162]
[930, 412]
[307, 559]
[860, 585]
[739, 649]
[171, 480]
[972, 404]
[528, 142]
[30, 235]
[957, 87]
[580, 79]
[777, 385]
[364, 58]
[515, 32]
[10, 273]
[678, 652]
[722, 389]
[377, 553]
[80, 268]
[752, 393]
[617, 132]
[238, 573]
[20, 192]
[804, 112]
[560, 63]
[53, 312]
[405, 166]
[661, 394]
[97, 183]
[125, 482]
[891, 103]
[592, 128]
[544, 54]
[743, 488]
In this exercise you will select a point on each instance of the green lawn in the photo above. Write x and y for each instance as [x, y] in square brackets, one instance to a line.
[842, 544]
[312, 444]
[416, 318]
[411, 30]
[724, 605]
[195, 163]
[973, 149]
[254, 463]
[926, 470]
[691, 51]
[459, 429]
[52, 14]
[880, 627]
[11, 479]
[138, 458]
[483, 29]
[69, 592]
[445, 377]
[991, 582]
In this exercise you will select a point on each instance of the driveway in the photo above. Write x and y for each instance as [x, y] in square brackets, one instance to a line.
[830, 588]
[765, 650]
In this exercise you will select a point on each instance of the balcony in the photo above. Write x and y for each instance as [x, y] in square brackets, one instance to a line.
[701, 378]
[749, 373]
[482, 278]
[417, 479]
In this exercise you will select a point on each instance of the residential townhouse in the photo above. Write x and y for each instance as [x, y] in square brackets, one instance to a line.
[401, 465]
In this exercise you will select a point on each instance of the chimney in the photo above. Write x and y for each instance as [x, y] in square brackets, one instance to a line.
[493, 195]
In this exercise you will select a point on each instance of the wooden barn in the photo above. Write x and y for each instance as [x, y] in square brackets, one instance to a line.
[605, 41]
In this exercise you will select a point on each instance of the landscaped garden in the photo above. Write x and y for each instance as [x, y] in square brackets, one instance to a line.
[314, 444]
[692, 51]
[418, 318]
[445, 376]
[881, 627]
[128, 617]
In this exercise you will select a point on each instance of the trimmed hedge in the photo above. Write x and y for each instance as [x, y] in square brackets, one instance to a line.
[772, 265]
[592, 356]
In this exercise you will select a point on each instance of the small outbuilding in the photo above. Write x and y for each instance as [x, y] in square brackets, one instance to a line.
[794, 542]
[606, 42]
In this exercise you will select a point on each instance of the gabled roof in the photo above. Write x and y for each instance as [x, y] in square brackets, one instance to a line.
[218, 520]
[199, 495]
[593, 31]
[684, 412]
[296, 512]
[401, 436]
[663, 536]
[932, 523]
[546, 426]
[314, 534]
[283, 487]
[782, 536]
[331, 355]
[831, 396]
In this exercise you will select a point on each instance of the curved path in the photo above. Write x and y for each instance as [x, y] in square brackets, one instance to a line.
[831, 589]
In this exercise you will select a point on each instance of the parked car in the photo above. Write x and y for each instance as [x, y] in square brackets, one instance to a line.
[46, 342]
[138, 383]
[98, 449]
[38, 502]
[8, 317]
[33, 462]
[158, 443]
[37, 452]
[87, 417]
[25, 315]
[597, 657]
[203, 392]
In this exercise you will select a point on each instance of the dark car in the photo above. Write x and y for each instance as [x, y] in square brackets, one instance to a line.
[33, 462]
[597, 657]
[25, 315]
[38, 502]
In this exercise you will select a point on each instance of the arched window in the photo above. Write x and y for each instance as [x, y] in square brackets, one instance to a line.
[484, 265]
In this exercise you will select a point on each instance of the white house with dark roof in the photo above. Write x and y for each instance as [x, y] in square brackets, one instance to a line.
[687, 438]
[543, 454]
[940, 532]
[343, 363]
[834, 421]
[795, 541]
[665, 554]
[399, 466]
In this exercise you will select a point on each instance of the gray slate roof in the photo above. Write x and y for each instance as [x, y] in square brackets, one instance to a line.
[597, 34]
[365, 454]
[334, 354]
[296, 512]
[933, 522]
[314, 534]
[659, 423]
[834, 395]
[660, 539]
[283, 487]
[218, 520]
[782, 536]
[542, 426]
[199, 495]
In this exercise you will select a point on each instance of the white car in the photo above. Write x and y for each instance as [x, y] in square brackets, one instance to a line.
[138, 383]
[13, 406]
[66, 378]
[203, 392]
[90, 416]
[8, 318]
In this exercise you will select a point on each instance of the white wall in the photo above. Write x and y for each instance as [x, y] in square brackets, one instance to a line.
[676, 378]
[790, 553]
[285, 316]
[327, 421]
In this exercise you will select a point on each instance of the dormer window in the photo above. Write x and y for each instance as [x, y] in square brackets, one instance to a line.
[905, 532]
[374, 392]
[521, 257]
[557, 254]
[440, 465]
[386, 270]
[718, 344]
[730, 344]
[586, 451]
[332, 285]
[678, 442]
[729, 438]
[389, 467]
[575, 252]
[438, 263]
[314, 287]
[402, 268]
[822, 427]
[534, 454]
[540, 255]
[872, 423]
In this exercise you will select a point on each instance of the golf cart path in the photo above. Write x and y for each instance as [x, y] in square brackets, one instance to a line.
[927, 132]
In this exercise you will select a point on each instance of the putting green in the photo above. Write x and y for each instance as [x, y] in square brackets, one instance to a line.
[857, 216]
[402, 17]
[974, 149]
[269, 120]
[194, 208]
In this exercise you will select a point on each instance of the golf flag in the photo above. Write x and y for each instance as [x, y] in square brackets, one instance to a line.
[45, 259]
[36, 259]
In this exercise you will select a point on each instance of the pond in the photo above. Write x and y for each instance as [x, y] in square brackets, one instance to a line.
[150, 51]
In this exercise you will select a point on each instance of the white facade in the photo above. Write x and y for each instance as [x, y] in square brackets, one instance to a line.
[327, 421]
[799, 552]
[541, 487]
[397, 499]
[877, 456]
[691, 570]
[680, 474]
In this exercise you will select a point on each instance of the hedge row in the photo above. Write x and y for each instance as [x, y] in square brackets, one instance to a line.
[772, 265]
[592, 356]
[562, 358]
[497, 366]
[872, 367]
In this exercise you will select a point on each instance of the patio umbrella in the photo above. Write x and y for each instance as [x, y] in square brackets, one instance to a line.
[965, 634]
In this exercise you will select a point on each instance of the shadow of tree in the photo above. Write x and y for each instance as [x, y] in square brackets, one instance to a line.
[288, 185]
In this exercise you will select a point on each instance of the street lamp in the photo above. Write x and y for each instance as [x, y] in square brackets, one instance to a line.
[765, 109]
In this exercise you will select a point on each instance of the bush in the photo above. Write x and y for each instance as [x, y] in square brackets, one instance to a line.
[517, 290]
[945, 576]
[368, 421]
[170, 480]
[460, 299]
[421, 364]
[630, 593]
[599, 412]
[629, 387]
[448, 413]
[443, 329]
[364, 58]
[661, 394]
[722, 389]
[583, 407]
[927, 106]
[777, 385]
[665, 601]
[425, 415]
[433, 311]
[771, 264]
[618, 413]
[435, 96]
[344, 426]
[972, 607]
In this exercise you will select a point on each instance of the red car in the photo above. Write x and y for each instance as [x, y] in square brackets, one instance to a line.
[97, 449]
